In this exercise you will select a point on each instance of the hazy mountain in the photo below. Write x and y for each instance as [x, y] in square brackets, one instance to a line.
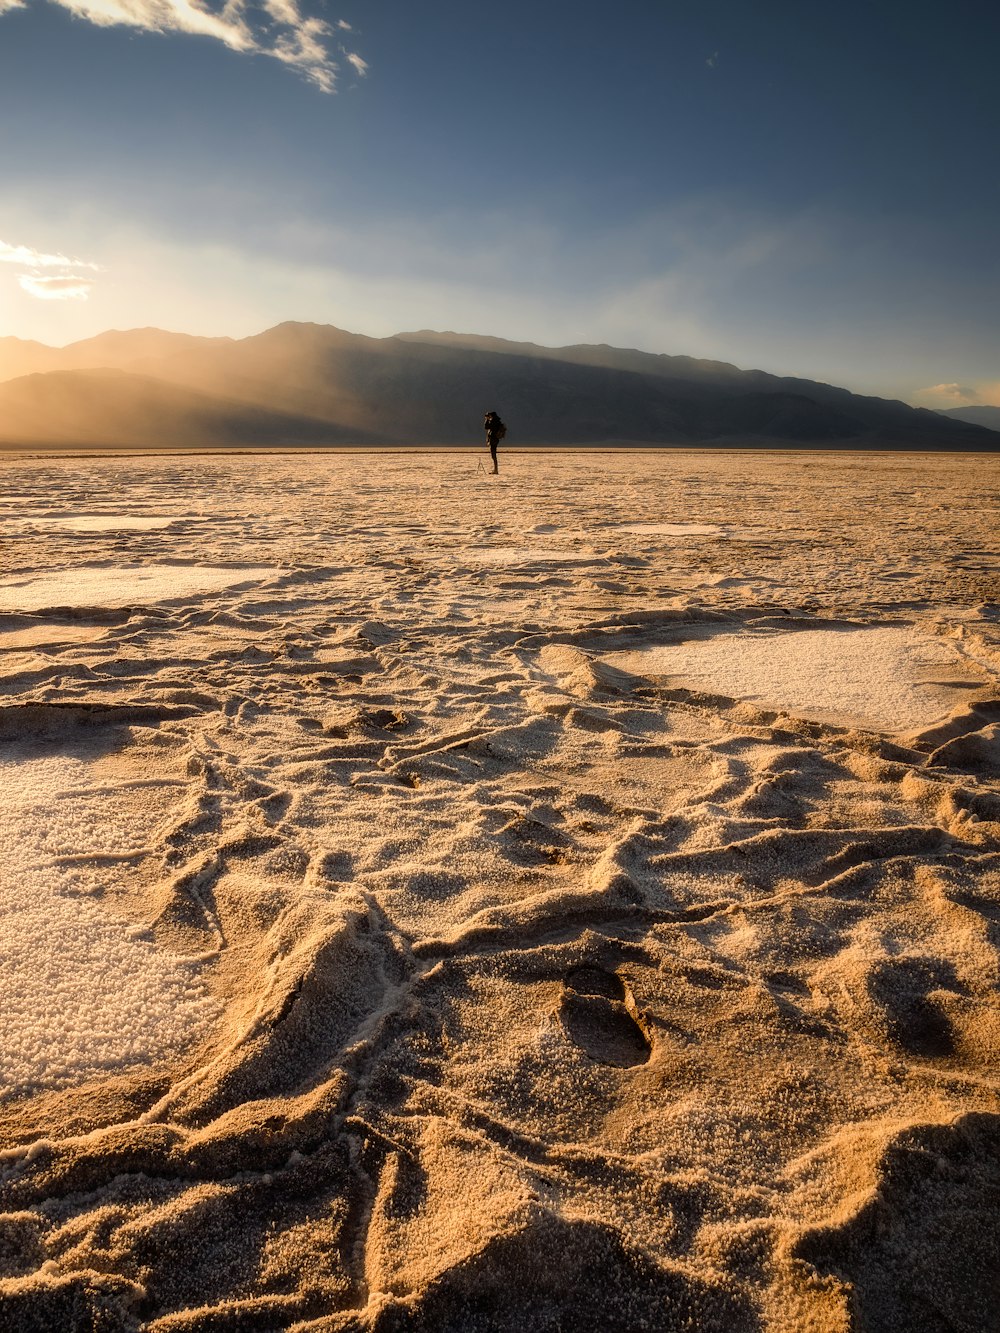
[853, 410]
[315, 384]
[115, 408]
[976, 416]
[18, 356]
[586, 354]
[134, 349]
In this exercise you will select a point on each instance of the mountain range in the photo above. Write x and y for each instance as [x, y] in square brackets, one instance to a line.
[976, 416]
[310, 384]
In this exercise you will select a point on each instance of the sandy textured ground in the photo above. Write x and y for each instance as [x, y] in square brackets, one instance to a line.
[566, 901]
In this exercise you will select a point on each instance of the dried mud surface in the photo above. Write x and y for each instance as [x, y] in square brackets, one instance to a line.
[460, 979]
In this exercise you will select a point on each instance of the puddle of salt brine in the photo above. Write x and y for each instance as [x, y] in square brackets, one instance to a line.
[84, 992]
[878, 678]
[120, 585]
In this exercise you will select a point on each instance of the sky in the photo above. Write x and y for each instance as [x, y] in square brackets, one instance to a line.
[800, 186]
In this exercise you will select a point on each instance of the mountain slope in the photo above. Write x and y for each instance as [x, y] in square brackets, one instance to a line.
[433, 388]
[115, 408]
[989, 417]
[692, 376]
[19, 356]
[133, 349]
[308, 383]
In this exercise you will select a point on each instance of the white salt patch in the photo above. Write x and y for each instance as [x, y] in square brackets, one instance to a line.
[523, 555]
[868, 676]
[669, 529]
[104, 522]
[34, 636]
[121, 585]
[82, 991]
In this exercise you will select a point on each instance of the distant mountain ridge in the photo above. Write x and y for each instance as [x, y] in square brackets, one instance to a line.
[975, 416]
[312, 384]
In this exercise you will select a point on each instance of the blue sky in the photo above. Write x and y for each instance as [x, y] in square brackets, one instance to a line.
[808, 188]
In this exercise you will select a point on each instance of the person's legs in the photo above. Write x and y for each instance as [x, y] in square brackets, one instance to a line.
[493, 455]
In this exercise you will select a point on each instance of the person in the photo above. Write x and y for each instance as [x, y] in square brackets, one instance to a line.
[495, 431]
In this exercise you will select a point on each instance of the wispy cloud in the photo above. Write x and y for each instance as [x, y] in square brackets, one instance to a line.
[26, 256]
[359, 66]
[276, 28]
[166, 16]
[68, 285]
[959, 395]
[983, 393]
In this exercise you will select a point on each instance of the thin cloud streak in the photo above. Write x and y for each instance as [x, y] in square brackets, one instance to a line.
[59, 288]
[164, 16]
[70, 285]
[275, 28]
[29, 258]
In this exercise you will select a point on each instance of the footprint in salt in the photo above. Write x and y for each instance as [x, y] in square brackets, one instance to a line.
[907, 991]
[599, 1014]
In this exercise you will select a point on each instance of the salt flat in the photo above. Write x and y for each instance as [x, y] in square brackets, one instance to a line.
[565, 900]
[884, 678]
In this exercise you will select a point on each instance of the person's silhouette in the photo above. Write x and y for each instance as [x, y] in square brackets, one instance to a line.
[495, 431]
